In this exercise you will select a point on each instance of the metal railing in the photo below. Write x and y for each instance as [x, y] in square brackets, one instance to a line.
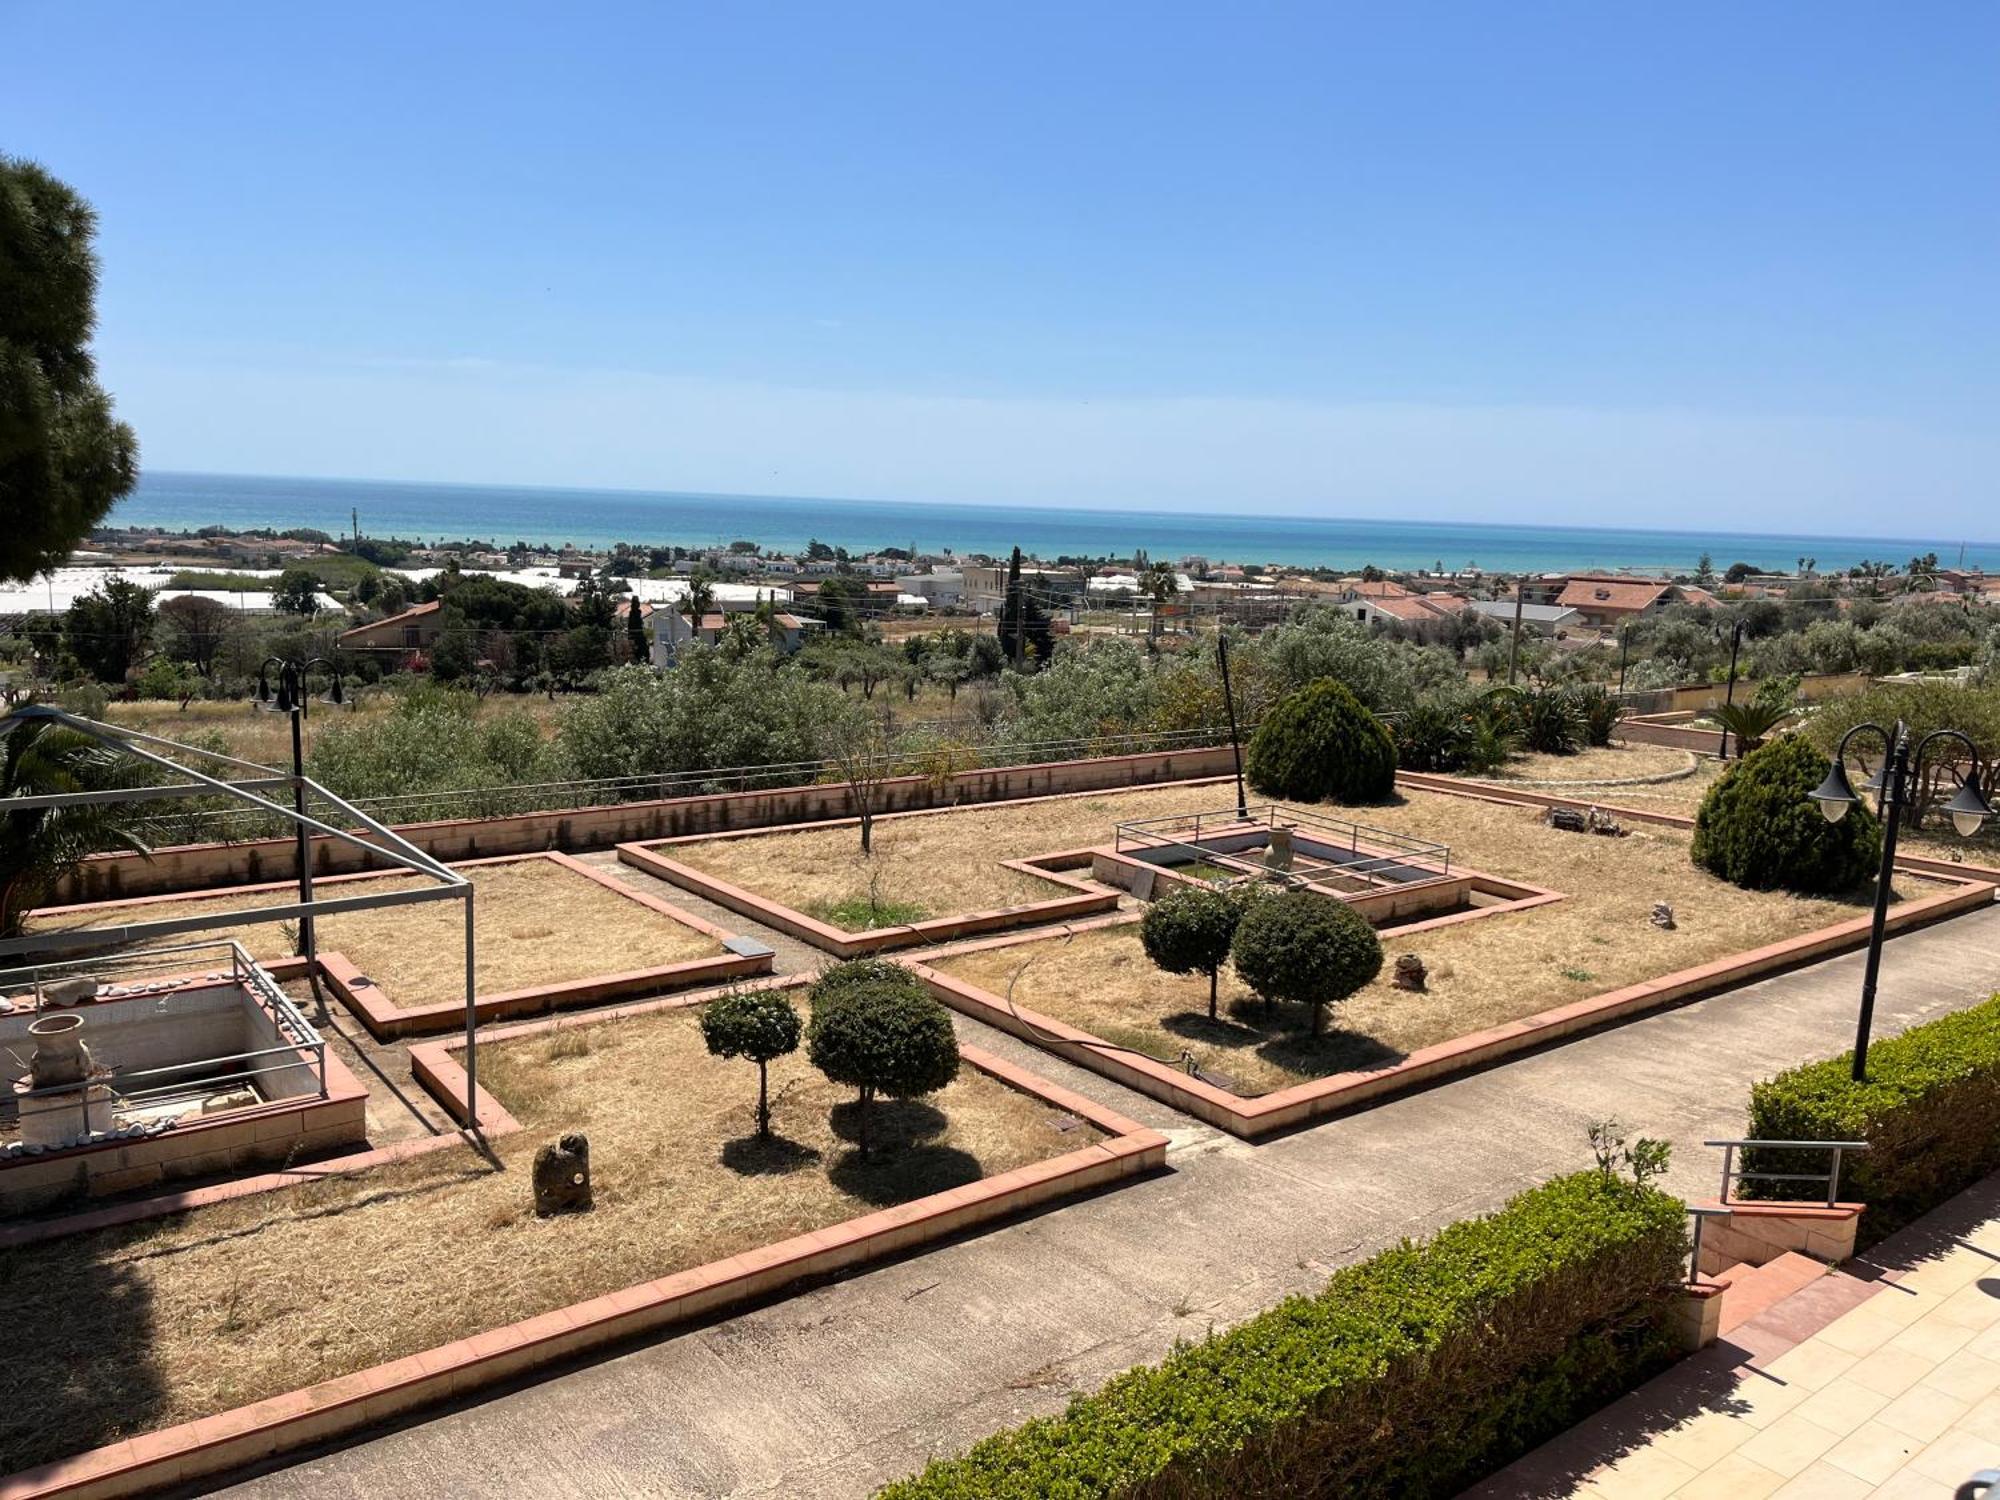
[558, 796]
[1432, 859]
[1701, 1216]
[1732, 1174]
[298, 1038]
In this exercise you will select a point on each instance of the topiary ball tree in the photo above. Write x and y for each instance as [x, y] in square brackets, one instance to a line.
[1306, 948]
[757, 1024]
[1188, 931]
[1759, 828]
[1320, 745]
[877, 1028]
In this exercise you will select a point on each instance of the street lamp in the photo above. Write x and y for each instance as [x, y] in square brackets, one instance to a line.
[1968, 809]
[290, 698]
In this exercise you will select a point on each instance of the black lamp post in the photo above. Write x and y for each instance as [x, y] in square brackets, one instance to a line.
[1968, 810]
[290, 698]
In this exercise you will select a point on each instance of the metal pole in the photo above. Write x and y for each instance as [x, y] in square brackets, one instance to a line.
[1235, 740]
[1514, 649]
[308, 937]
[1892, 809]
[1729, 698]
[471, 1025]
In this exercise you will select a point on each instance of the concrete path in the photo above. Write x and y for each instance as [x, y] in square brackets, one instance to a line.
[844, 1387]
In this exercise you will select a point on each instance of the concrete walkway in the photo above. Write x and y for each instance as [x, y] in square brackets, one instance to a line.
[849, 1385]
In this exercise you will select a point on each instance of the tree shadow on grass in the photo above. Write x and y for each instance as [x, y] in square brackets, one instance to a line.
[767, 1156]
[897, 1174]
[894, 1123]
[1195, 1026]
[1332, 1051]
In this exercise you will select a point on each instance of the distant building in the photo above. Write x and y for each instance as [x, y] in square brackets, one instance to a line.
[941, 588]
[1606, 601]
[1541, 619]
[672, 631]
[415, 629]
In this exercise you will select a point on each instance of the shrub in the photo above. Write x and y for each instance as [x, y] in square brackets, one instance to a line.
[1319, 744]
[1306, 948]
[1433, 736]
[1551, 720]
[1759, 828]
[1926, 1111]
[877, 1028]
[1601, 712]
[1188, 930]
[757, 1024]
[1411, 1375]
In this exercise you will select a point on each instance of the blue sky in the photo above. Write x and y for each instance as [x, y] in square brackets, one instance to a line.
[1560, 262]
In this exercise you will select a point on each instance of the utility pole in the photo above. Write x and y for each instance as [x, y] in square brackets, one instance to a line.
[1514, 646]
[1235, 740]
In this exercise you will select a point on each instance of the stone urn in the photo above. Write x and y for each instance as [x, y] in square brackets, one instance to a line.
[60, 1056]
[562, 1176]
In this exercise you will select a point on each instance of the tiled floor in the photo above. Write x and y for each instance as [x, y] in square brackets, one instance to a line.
[1898, 1396]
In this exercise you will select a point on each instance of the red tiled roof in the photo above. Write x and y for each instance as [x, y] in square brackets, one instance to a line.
[1611, 594]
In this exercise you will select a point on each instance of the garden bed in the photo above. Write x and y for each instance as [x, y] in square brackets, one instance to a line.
[138, 1327]
[551, 932]
[1495, 984]
[933, 876]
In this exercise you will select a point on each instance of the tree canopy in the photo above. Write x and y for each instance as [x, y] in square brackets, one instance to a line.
[65, 460]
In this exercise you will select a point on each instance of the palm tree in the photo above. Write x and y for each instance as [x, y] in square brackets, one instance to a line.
[697, 603]
[1752, 723]
[40, 845]
[1159, 583]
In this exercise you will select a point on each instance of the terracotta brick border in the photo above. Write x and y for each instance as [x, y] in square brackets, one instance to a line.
[1267, 1114]
[228, 1440]
[387, 1021]
[1088, 899]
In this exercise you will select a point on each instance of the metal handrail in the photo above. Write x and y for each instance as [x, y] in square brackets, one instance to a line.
[1405, 849]
[1831, 1177]
[1700, 1215]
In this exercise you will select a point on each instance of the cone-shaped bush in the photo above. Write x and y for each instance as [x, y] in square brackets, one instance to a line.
[1759, 828]
[1320, 745]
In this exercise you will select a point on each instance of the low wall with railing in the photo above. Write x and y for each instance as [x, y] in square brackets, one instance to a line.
[196, 866]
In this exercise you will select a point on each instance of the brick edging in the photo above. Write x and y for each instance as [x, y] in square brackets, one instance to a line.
[1253, 1117]
[346, 1403]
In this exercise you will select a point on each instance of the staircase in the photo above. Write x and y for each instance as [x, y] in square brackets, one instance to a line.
[1748, 1290]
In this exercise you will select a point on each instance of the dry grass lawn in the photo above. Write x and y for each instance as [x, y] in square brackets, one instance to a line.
[126, 1330]
[536, 922]
[942, 863]
[267, 738]
[1482, 973]
[1596, 763]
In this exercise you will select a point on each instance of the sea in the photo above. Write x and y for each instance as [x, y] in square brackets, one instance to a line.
[600, 518]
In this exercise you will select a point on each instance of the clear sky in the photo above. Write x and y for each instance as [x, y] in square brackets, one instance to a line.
[1678, 264]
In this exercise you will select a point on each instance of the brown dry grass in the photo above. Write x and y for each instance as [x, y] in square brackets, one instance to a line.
[1596, 763]
[944, 863]
[536, 922]
[1483, 973]
[126, 1330]
[267, 738]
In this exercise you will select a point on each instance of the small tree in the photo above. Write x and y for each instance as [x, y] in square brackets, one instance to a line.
[635, 630]
[758, 1024]
[109, 628]
[1188, 930]
[876, 1027]
[1306, 948]
[1319, 744]
[858, 750]
[296, 592]
[1759, 828]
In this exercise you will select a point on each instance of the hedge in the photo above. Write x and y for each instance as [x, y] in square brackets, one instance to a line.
[1411, 1374]
[1930, 1112]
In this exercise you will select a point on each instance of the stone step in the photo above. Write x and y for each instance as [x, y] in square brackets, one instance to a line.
[1750, 1290]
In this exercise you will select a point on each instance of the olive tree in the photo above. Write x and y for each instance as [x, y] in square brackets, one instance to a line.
[758, 1024]
[877, 1028]
[1306, 948]
[1188, 931]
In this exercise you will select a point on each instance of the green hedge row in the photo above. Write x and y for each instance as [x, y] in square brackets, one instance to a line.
[1410, 1375]
[1930, 1112]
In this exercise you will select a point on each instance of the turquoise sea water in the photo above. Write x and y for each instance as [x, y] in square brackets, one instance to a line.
[595, 518]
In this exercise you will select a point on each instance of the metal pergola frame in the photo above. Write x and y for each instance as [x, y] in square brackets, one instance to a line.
[377, 838]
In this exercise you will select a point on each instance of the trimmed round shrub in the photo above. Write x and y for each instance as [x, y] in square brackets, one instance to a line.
[1320, 745]
[1759, 828]
[876, 1027]
[1188, 931]
[1307, 949]
[757, 1024]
